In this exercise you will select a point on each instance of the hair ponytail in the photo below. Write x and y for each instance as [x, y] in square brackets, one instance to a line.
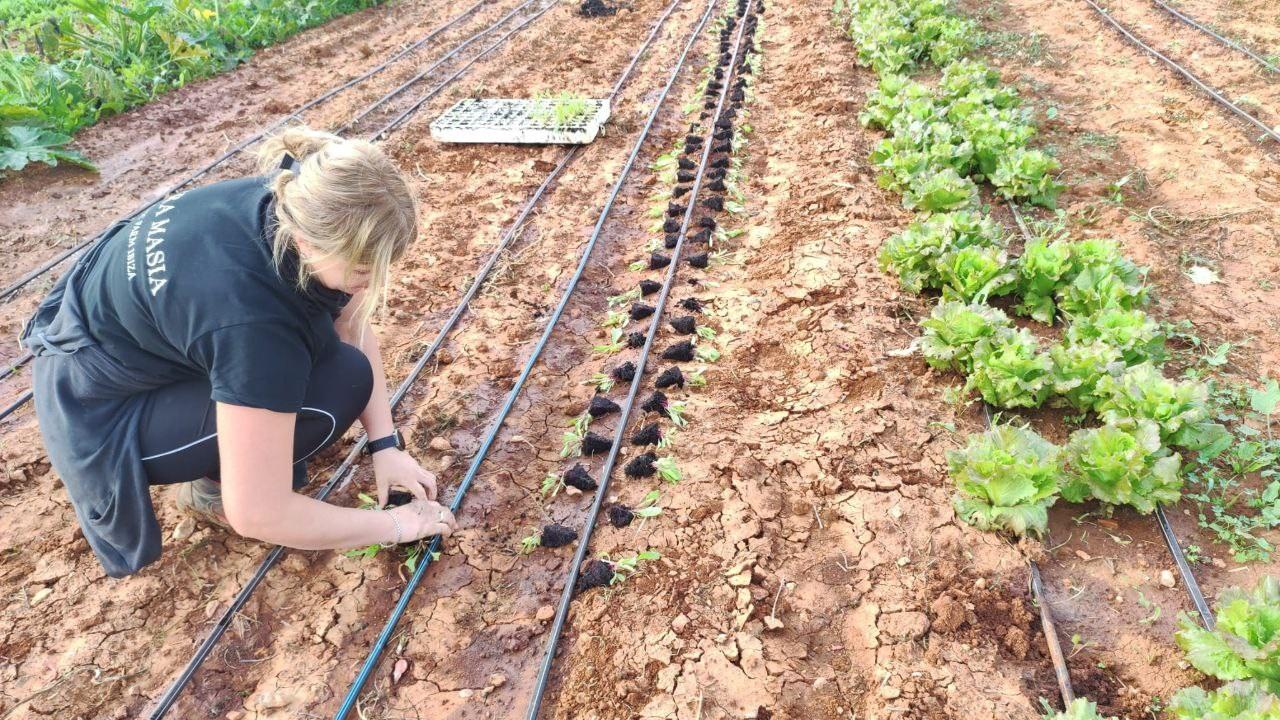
[346, 198]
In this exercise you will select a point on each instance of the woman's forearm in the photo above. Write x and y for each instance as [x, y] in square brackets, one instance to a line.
[307, 524]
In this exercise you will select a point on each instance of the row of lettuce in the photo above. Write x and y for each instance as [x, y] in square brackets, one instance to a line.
[67, 64]
[945, 137]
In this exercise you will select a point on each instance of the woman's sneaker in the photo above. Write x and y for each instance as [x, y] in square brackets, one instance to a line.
[203, 499]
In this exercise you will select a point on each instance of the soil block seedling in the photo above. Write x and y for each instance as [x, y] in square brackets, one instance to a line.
[721, 163]
[635, 340]
[641, 466]
[716, 173]
[675, 209]
[686, 164]
[554, 536]
[624, 372]
[648, 435]
[672, 225]
[723, 147]
[657, 261]
[578, 477]
[715, 203]
[716, 185]
[657, 403]
[685, 176]
[700, 261]
[691, 304]
[396, 498]
[680, 352]
[594, 444]
[707, 222]
[601, 406]
[620, 516]
[680, 191]
[596, 8]
[671, 377]
[640, 311]
[685, 325]
[596, 573]
[693, 139]
[702, 236]
[714, 87]
[671, 241]
[724, 124]
[649, 287]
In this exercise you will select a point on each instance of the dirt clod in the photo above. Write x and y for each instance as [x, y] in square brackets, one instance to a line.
[680, 352]
[578, 477]
[650, 434]
[691, 304]
[641, 466]
[597, 573]
[601, 406]
[657, 261]
[700, 261]
[596, 8]
[685, 324]
[620, 516]
[657, 403]
[554, 536]
[640, 311]
[594, 444]
[671, 377]
[624, 372]
[635, 339]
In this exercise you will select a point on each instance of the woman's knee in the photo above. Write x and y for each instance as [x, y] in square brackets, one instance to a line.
[351, 374]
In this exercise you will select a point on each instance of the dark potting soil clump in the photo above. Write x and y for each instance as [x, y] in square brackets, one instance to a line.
[641, 466]
[596, 573]
[685, 325]
[671, 377]
[715, 203]
[680, 191]
[554, 536]
[657, 403]
[687, 164]
[723, 147]
[719, 163]
[716, 185]
[640, 311]
[691, 304]
[714, 87]
[684, 176]
[601, 406]
[647, 435]
[671, 225]
[620, 516]
[657, 261]
[726, 134]
[693, 139]
[397, 498]
[716, 174]
[596, 8]
[700, 261]
[710, 104]
[707, 222]
[724, 124]
[680, 352]
[671, 240]
[577, 477]
[624, 372]
[737, 96]
[675, 209]
[649, 287]
[635, 339]
[594, 444]
[702, 236]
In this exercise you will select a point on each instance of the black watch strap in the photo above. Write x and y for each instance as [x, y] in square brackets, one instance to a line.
[394, 440]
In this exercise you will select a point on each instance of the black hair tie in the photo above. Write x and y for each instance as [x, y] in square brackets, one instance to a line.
[289, 163]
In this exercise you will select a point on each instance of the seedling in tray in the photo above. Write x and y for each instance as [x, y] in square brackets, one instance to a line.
[562, 110]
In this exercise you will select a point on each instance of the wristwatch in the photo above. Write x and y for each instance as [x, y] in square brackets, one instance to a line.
[394, 440]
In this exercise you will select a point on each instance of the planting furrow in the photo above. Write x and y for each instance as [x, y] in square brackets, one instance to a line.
[714, 139]
[347, 465]
[401, 115]
[12, 288]
[1218, 95]
[352, 695]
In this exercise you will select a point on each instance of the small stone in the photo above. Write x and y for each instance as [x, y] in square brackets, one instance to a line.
[273, 700]
[889, 692]
[446, 462]
[398, 672]
[440, 443]
[773, 623]
[546, 612]
[680, 623]
[497, 680]
[466, 693]
[40, 596]
[1166, 579]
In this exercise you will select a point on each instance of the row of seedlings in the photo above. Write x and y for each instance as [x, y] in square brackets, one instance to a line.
[942, 140]
[664, 412]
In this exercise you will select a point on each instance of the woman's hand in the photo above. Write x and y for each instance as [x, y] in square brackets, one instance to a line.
[423, 518]
[397, 468]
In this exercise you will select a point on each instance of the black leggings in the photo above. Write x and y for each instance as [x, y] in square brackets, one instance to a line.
[179, 429]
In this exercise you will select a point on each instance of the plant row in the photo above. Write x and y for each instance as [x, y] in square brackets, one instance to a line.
[944, 138]
[87, 59]
[628, 318]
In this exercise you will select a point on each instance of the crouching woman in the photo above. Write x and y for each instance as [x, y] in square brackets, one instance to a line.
[221, 339]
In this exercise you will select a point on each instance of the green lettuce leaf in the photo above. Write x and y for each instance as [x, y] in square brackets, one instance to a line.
[1233, 701]
[1010, 371]
[1005, 479]
[953, 329]
[1122, 466]
[1246, 642]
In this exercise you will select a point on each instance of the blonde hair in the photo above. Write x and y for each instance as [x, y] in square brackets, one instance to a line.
[346, 199]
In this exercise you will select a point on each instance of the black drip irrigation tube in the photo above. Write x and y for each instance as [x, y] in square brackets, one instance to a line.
[1187, 74]
[8, 292]
[1221, 38]
[399, 120]
[566, 595]
[16, 364]
[353, 693]
[224, 622]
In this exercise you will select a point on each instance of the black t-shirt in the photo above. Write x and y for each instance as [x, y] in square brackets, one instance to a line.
[189, 290]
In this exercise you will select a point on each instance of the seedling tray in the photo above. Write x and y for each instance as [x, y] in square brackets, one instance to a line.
[529, 121]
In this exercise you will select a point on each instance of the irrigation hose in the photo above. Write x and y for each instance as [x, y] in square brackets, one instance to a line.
[1266, 130]
[1184, 569]
[341, 472]
[17, 285]
[1051, 636]
[566, 594]
[1209, 31]
[375, 653]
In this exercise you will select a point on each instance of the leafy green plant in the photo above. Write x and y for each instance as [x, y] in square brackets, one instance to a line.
[668, 470]
[1122, 466]
[1006, 479]
[1044, 266]
[1242, 700]
[1104, 279]
[914, 253]
[1009, 371]
[573, 437]
[603, 382]
[625, 568]
[976, 274]
[1080, 709]
[1138, 338]
[1246, 642]
[1028, 174]
[530, 542]
[1078, 368]
[21, 145]
[552, 484]
[953, 329]
[942, 191]
[1142, 393]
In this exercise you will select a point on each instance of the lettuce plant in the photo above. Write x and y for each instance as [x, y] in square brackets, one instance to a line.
[974, 274]
[1078, 368]
[1143, 393]
[1028, 174]
[914, 253]
[1138, 338]
[1044, 267]
[1006, 479]
[1098, 288]
[953, 329]
[1009, 371]
[1080, 709]
[941, 191]
[1122, 466]
[1243, 700]
[1246, 643]
[888, 98]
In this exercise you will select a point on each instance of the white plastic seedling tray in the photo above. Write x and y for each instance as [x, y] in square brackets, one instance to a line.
[517, 121]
